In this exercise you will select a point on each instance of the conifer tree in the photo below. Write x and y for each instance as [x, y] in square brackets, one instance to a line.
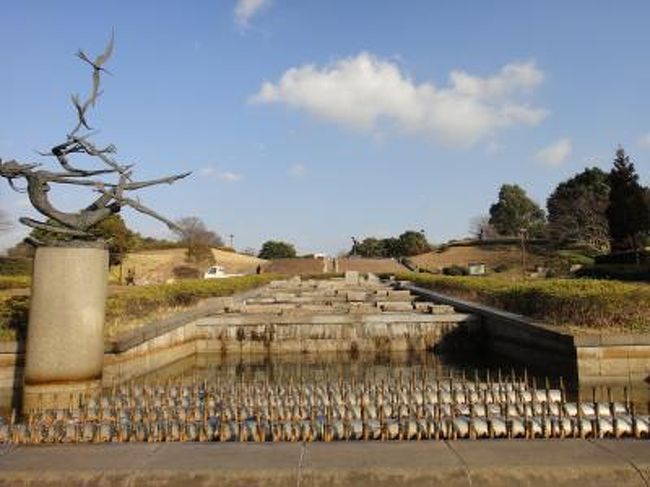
[628, 213]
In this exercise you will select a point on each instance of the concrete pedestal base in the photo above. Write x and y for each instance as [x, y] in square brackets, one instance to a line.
[65, 335]
[58, 396]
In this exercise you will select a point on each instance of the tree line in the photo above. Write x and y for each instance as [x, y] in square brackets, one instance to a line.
[600, 211]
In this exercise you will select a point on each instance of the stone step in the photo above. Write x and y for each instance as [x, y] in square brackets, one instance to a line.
[395, 305]
[436, 309]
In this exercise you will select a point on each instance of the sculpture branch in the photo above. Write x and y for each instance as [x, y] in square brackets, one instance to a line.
[112, 194]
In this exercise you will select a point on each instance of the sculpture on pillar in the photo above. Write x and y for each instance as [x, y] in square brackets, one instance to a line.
[112, 182]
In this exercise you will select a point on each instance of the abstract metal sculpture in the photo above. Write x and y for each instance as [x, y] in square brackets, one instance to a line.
[112, 193]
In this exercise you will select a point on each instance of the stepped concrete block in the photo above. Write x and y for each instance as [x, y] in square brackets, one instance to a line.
[361, 308]
[260, 301]
[283, 297]
[394, 295]
[264, 308]
[352, 296]
[395, 305]
[423, 307]
[234, 308]
[372, 278]
[442, 309]
[351, 277]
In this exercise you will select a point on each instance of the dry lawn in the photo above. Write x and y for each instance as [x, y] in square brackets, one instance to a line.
[491, 255]
[156, 266]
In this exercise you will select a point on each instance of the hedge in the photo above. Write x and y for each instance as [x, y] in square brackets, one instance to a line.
[586, 303]
[136, 303]
[621, 272]
[14, 282]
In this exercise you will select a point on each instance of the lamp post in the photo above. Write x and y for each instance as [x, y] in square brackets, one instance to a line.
[522, 235]
[231, 240]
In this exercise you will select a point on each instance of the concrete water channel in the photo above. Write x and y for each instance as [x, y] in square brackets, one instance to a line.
[343, 360]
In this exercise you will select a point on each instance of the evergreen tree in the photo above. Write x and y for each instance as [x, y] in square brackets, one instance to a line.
[577, 210]
[113, 230]
[413, 243]
[273, 249]
[629, 205]
[515, 212]
[371, 247]
[408, 243]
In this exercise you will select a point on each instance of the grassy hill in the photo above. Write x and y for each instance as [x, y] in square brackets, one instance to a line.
[506, 256]
[157, 266]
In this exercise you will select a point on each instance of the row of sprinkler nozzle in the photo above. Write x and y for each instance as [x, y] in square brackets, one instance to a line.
[388, 409]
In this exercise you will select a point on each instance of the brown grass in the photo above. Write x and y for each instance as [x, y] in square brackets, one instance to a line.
[156, 266]
[491, 255]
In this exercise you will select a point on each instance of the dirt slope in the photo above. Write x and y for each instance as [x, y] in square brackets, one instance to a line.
[156, 266]
[491, 255]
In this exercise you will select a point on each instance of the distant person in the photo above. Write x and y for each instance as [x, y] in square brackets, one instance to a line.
[259, 269]
[130, 277]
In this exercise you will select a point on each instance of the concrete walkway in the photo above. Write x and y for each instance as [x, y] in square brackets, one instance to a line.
[460, 463]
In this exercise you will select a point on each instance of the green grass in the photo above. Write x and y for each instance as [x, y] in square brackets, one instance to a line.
[575, 257]
[136, 304]
[14, 282]
[583, 303]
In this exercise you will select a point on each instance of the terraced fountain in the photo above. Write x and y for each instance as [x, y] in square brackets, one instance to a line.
[342, 359]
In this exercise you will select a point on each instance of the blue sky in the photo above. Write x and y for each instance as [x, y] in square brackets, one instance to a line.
[312, 121]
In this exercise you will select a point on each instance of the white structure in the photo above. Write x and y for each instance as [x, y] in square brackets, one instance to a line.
[218, 272]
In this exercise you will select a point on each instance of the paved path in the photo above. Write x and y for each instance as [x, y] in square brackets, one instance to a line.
[460, 463]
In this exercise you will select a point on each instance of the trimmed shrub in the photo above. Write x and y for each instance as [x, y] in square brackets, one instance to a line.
[632, 257]
[502, 268]
[136, 303]
[620, 272]
[15, 266]
[580, 302]
[186, 272]
[14, 311]
[14, 282]
[455, 270]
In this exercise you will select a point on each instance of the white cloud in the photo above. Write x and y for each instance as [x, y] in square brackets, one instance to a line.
[493, 147]
[212, 172]
[297, 170]
[365, 91]
[644, 141]
[207, 171]
[229, 177]
[245, 10]
[555, 154]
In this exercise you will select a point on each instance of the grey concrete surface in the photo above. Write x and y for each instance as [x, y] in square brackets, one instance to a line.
[65, 335]
[460, 463]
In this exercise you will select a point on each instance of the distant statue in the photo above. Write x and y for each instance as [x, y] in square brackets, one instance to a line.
[111, 194]
[355, 246]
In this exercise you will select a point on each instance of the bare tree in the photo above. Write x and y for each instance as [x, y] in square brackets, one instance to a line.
[198, 239]
[194, 231]
[480, 228]
[112, 194]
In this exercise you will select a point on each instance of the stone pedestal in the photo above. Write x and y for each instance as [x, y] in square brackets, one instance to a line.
[65, 335]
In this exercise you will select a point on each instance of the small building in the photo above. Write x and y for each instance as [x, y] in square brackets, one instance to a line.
[476, 268]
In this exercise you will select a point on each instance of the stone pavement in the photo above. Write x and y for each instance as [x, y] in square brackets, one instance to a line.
[459, 463]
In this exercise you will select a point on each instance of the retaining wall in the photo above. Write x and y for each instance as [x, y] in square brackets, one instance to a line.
[606, 357]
